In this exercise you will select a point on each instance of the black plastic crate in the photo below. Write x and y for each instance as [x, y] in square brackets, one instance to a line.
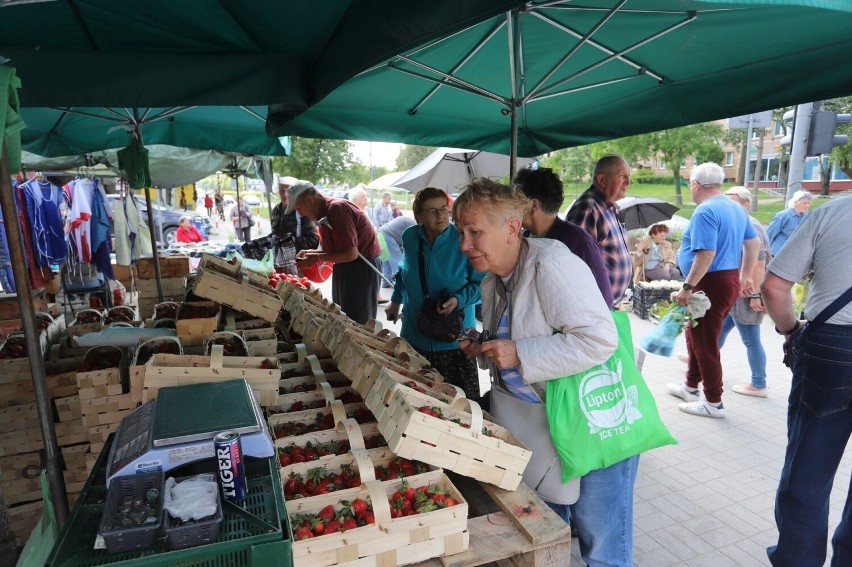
[189, 534]
[117, 537]
[645, 297]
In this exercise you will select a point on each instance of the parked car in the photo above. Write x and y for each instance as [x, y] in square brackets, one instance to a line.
[251, 200]
[169, 218]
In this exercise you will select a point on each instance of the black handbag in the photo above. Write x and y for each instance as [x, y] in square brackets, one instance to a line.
[430, 323]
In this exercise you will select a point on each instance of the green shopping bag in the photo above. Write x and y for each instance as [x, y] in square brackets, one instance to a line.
[606, 414]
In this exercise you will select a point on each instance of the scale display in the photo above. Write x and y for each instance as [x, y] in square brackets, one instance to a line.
[178, 427]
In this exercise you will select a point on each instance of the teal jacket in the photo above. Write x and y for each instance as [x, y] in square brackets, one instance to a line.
[447, 268]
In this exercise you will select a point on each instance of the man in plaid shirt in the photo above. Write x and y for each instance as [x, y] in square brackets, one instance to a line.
[595, 212]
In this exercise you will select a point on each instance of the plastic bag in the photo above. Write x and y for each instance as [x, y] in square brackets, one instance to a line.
[193, 498]
[662, 339]
[265, 266]
[119, 292]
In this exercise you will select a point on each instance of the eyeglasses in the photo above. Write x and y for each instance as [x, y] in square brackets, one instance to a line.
[440, 212]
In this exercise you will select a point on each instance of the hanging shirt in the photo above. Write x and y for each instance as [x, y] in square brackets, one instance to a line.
[47, 209]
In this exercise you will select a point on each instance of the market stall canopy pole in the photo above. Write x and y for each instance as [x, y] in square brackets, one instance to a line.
[555, 74]
[52, 454]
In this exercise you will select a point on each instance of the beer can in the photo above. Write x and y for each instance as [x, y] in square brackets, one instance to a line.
[232, 472]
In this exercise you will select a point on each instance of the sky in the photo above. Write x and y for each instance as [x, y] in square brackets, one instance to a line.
[384, 153]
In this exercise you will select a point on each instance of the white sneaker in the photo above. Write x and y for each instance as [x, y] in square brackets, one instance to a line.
[702, 408]
[683, 357]
[679, 389]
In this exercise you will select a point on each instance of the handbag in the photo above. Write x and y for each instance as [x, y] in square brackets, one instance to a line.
[606, 414]
[528, 422]
[430, 323]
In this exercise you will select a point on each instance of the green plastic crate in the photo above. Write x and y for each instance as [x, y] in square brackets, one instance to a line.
[255, 533]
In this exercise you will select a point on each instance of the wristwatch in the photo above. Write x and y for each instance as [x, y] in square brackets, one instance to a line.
[790, 331]
[688, 286]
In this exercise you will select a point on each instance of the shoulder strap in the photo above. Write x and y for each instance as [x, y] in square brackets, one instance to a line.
[829, 311]
[422, 260]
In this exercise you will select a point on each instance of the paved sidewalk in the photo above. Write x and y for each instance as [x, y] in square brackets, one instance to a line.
[709, 501]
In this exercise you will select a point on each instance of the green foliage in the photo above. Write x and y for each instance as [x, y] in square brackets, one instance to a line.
[647, 176]
[842, 155]
[316, 160]
[571, 164]
[409, 156]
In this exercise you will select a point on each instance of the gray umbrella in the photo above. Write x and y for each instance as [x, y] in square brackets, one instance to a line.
[637, 212]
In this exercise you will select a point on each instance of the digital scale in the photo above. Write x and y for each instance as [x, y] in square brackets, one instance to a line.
[178, 427]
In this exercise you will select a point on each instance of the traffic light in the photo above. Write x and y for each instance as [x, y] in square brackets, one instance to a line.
[822, 137]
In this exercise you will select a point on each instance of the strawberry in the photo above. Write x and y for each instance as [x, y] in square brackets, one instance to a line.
[369, 518]
[349, 524]
[333, 526]
[303, 533]
[319, 528]
[284, 459]
[360, 507]
[450, 502]
[327, 514]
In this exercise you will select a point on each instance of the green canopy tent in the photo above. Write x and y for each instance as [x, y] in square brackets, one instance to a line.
[161, 53]
[554, 74]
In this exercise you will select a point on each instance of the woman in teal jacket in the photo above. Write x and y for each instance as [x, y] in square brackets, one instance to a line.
[447, 269]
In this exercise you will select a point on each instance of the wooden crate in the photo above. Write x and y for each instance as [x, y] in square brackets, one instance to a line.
[390, 541]
[459, 447]
[107, 410]
[174, 370]
[19, 478]
[99, 383]
[364, 366]
[20, 441]
[171, 287]
[244, 295]
[260, 341]
[323, 395]
[23, 519]
[170, 267]
[310, 382]
[193, 331]
[21, 392]
[23, 416]
[68, 409]
[210, 262]
[389, 381]
[339, 411]
[74, 456]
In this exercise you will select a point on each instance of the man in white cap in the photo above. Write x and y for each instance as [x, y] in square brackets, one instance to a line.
[346, 233]
[302, 229]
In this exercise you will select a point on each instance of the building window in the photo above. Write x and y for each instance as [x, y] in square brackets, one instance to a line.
[778, 129]
[729, 159]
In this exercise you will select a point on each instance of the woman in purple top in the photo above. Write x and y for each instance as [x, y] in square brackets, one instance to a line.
[544, 189]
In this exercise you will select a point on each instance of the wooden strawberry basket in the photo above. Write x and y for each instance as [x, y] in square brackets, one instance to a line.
[289, 292]
[390, 541]
[243, 294]
[193, 330]
[388, 382]
[309, 382]
[214, 263]
[363, 366]
[324, 394]
[460, 447]
[337, 326]
[337, 409]
[174, 370]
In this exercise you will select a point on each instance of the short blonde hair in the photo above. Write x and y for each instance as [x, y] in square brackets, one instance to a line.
[500, 202]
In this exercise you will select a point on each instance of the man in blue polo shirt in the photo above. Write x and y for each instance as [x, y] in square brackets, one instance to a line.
[712, 247]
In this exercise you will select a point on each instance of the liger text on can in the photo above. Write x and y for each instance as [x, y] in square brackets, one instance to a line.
[232, 472]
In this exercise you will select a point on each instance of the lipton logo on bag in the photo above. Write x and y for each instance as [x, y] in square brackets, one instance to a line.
[609, 407]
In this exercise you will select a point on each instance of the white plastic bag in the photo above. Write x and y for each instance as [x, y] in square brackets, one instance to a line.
[193, 498]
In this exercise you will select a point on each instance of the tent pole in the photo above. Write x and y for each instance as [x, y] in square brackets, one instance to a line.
[52, 455]
[514, 28]
[156, 253]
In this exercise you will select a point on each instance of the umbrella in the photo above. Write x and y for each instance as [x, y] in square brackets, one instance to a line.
[637, 212]
[554, 74]
[66, 131]
[162, 53]
[451, 169]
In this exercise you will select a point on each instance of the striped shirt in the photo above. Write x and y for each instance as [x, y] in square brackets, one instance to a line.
[597, 216]
[511, 377]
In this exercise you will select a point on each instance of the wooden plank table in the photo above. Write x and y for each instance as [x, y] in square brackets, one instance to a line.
[509, 528]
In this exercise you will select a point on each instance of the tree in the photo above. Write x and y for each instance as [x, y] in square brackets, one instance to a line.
[316, 160]
[841, 155]
[676, 144]
[409, 156]
[571, 164]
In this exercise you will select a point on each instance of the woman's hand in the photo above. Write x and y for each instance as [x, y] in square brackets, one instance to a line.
[756, 304]
[392, 312]
[643, 245]
[448, 306]
[307, 258]
[502, 352]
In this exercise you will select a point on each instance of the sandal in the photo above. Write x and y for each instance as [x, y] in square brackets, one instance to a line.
[749, 390]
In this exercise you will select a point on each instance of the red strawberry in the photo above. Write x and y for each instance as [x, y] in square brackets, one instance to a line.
[327, 514]
[284, 459]
[319, 528]
[304, 533]
[369, 518]
[450, 502]
[333, 527]
[349, 524]
[359, 507]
